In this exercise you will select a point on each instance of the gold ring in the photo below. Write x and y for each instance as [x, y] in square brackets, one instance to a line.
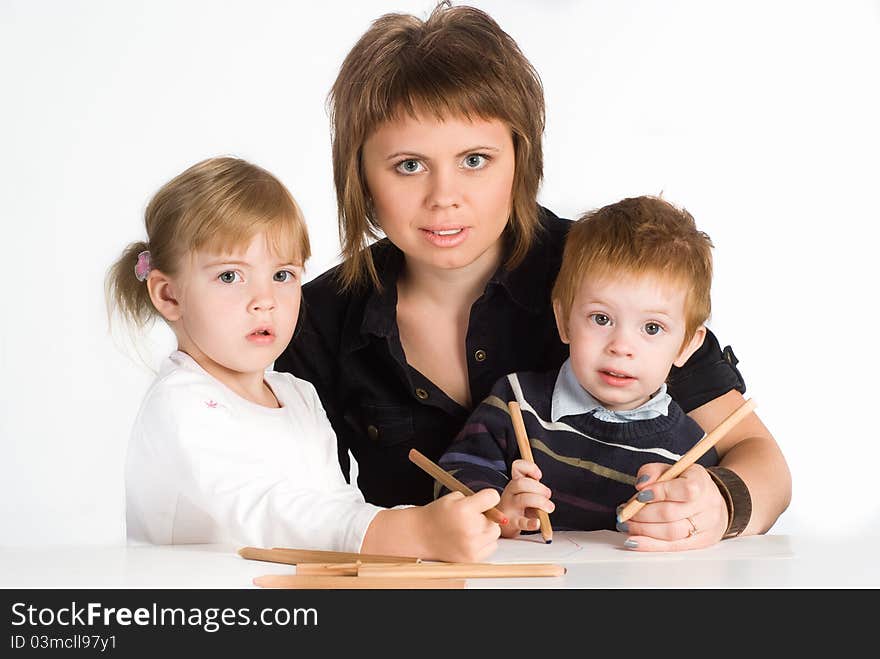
[693, 530]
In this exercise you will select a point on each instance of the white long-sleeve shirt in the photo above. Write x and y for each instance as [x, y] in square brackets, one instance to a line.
[205, 465]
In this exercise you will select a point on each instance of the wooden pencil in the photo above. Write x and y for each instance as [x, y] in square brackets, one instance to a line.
[295, 556]
[525, 450]
[334, 569]
[695, 453]
[460, 570]
[312, 582]
[452, 483]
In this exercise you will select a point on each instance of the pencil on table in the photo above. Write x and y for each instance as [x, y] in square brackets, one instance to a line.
[460, 570]
[525, 450]
[695, 453]
[294, 556]
[312, 582]
[432, 570]
[452, 483]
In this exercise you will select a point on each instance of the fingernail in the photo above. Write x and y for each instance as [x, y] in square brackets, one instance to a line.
[644, 478]
[632, 544]
[623, 527]
[645, 495]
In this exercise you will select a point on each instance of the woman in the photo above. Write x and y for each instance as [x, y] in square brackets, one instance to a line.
[437, 144]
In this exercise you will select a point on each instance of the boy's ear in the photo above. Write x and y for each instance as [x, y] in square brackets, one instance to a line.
[561, 321]
[691, 347]
[163, 295]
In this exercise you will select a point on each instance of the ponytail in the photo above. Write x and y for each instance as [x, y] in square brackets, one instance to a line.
[125, 293]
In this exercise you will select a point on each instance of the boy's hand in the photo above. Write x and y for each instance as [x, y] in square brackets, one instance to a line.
[687, 512]
[522, 496]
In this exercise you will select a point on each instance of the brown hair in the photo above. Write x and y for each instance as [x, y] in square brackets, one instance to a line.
[458, 62]
[636, 236]
[217, 205]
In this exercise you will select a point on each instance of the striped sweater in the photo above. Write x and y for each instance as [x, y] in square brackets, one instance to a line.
[590, 465]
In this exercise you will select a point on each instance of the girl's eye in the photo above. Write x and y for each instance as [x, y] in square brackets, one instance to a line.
[229, 277]
[600, 319]
[409, 166]
[283, 276]
[476, 161]
[652, 329]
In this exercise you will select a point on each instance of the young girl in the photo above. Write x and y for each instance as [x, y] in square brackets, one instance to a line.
[223, 450]
[437, 129]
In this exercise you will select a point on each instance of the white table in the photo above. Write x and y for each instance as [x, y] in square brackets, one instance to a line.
[592, 560]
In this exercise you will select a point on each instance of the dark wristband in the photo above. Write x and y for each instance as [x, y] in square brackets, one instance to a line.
[736, 496]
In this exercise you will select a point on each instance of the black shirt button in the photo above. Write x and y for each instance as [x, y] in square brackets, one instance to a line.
[422, 394]
[480, 355]
[373, 432]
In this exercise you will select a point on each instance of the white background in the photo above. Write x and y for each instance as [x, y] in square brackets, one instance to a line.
[760, 117]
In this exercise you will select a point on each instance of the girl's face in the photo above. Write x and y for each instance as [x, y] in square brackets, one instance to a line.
[441, 189]
[237, 311]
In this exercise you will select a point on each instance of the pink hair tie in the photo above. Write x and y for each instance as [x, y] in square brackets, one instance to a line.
[142, 267]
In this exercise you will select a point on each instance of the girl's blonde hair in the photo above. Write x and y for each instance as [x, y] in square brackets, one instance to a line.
[217, 205]
[458, 62]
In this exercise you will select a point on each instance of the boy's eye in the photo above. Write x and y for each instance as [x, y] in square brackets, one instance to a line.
[475, 161]
[652, 329]
[229, 277]
[409, 166]
[600, 319]
[283, 276]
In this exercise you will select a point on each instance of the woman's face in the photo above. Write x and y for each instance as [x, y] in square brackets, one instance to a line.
[441, 189]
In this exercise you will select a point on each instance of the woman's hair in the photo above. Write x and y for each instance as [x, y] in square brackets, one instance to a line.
[638, 236]
[218, 205]
[458, 62]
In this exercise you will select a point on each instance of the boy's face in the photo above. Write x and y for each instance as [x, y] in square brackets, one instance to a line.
[625, 334]
[441, 189]
[236, 312]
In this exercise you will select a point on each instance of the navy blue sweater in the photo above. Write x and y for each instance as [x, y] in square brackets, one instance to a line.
[590, 465]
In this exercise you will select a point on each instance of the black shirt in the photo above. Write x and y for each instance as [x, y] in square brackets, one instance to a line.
[347, 344]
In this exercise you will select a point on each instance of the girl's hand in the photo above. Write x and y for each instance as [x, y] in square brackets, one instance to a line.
[455, 528]
[687, 512]
[521, 497]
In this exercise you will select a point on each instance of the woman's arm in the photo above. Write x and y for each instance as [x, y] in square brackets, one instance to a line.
[750, 451]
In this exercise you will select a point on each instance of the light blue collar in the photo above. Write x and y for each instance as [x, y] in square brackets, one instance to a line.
[571, 399]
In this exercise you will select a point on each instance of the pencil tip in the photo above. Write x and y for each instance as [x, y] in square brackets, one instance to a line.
[548, 541]
[504, 521]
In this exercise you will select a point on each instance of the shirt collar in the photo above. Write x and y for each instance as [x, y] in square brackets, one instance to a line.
[380, 312]
[571, 399]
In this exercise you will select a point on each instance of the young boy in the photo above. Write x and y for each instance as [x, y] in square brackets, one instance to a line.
[631, 300]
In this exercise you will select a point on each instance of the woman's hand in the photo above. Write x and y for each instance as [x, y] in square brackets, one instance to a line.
[687, 512]
[521, 497]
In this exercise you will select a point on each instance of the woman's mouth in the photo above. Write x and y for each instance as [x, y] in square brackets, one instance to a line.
[445, 236]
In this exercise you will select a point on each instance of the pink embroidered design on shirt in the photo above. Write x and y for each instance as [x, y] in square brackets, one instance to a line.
[211, 403]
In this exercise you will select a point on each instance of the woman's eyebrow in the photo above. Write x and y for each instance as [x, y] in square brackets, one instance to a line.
[474, 149]
[420, 156]
[409, 154]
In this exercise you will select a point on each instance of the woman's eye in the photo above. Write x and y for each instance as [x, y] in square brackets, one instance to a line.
[600, 319]
[652, 329]
[475, 161]
[229, 277]
[283, 276]
[409, 166]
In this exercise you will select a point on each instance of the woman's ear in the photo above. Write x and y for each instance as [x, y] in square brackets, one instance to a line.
[561, 321]
[691, 347]
[163, 295]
